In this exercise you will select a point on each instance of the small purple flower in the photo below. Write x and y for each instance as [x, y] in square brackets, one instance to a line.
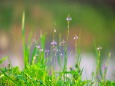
[61, 54]
[55, 49]
[68, 18]
[47, 51]
[75, 37]
[99, 48]
[53, 43]
[104, 67]
[38, 47]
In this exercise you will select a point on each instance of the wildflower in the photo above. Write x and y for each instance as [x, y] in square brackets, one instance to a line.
[68, 18]
[61, 54]
[47, 51]
[75, 37]
[41, 50]
[104, 67]
[99, 48]
[55, 49]
[53, 43]
[38, 47]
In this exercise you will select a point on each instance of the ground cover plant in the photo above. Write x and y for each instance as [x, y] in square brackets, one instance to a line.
[40, 65]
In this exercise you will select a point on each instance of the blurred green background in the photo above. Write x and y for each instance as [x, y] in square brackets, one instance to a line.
[92, 20]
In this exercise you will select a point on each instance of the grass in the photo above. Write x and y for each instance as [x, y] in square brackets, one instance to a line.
[40, 69]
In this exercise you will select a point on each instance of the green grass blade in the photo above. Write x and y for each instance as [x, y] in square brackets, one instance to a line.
[25, 48]
[3, 59]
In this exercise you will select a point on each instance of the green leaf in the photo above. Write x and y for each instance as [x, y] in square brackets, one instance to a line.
[3, 59]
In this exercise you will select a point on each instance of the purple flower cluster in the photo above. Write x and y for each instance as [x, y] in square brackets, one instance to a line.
[38, 47]
[47, 51]
[53, 43]
[104, 67]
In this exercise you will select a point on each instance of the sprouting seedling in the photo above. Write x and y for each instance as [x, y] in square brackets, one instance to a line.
[68, 19]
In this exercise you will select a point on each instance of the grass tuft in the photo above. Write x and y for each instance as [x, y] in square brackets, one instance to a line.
[40, 65]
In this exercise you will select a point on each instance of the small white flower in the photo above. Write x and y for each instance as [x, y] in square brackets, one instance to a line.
[68, 18]
[75, 37]
[99, 48]
[38, 46]
[61, 54]
[41, 50]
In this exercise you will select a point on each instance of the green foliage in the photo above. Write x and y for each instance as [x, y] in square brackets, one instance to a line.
[3, 59]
